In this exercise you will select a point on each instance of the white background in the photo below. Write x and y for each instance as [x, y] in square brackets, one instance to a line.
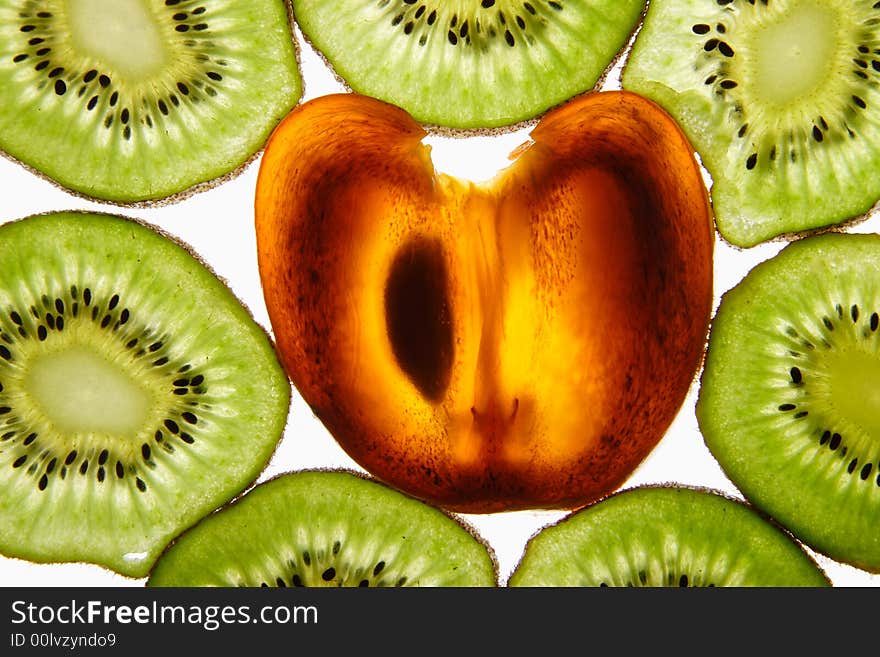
[218, 224]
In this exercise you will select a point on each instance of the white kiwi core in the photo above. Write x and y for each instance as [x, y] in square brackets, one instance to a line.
[795, 53]
[123, 35]
[852, 387]
[80, 391]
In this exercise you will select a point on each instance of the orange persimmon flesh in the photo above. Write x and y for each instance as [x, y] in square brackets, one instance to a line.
[520, 343]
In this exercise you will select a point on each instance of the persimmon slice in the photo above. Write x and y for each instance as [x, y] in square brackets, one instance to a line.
[519, 343]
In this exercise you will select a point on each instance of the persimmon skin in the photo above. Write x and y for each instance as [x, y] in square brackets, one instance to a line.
[560, 309]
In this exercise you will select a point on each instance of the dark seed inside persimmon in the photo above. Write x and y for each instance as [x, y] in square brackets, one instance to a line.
[418, 316]
[522, 343]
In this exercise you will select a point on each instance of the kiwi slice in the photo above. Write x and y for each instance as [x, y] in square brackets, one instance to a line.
[789, 403]
[138, 100]
[327, 528]
[781, 100]
[470, 63]
[666, 536]
[136, 393]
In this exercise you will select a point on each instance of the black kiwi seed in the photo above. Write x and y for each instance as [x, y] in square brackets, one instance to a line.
[835, 442]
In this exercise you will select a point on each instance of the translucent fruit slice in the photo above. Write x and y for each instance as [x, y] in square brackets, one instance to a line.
[779, 98]
[665, 536]
[789, 402]
[136, 100]
[136, 393]
[326, 528]
[520, 343]
[467, 63]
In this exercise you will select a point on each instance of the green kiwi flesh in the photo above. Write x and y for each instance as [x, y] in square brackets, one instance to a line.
[139, 100]
[136, 393]
[781, 100]
[659, 536]
[330, 529]
[788, 403]
[470, 63]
